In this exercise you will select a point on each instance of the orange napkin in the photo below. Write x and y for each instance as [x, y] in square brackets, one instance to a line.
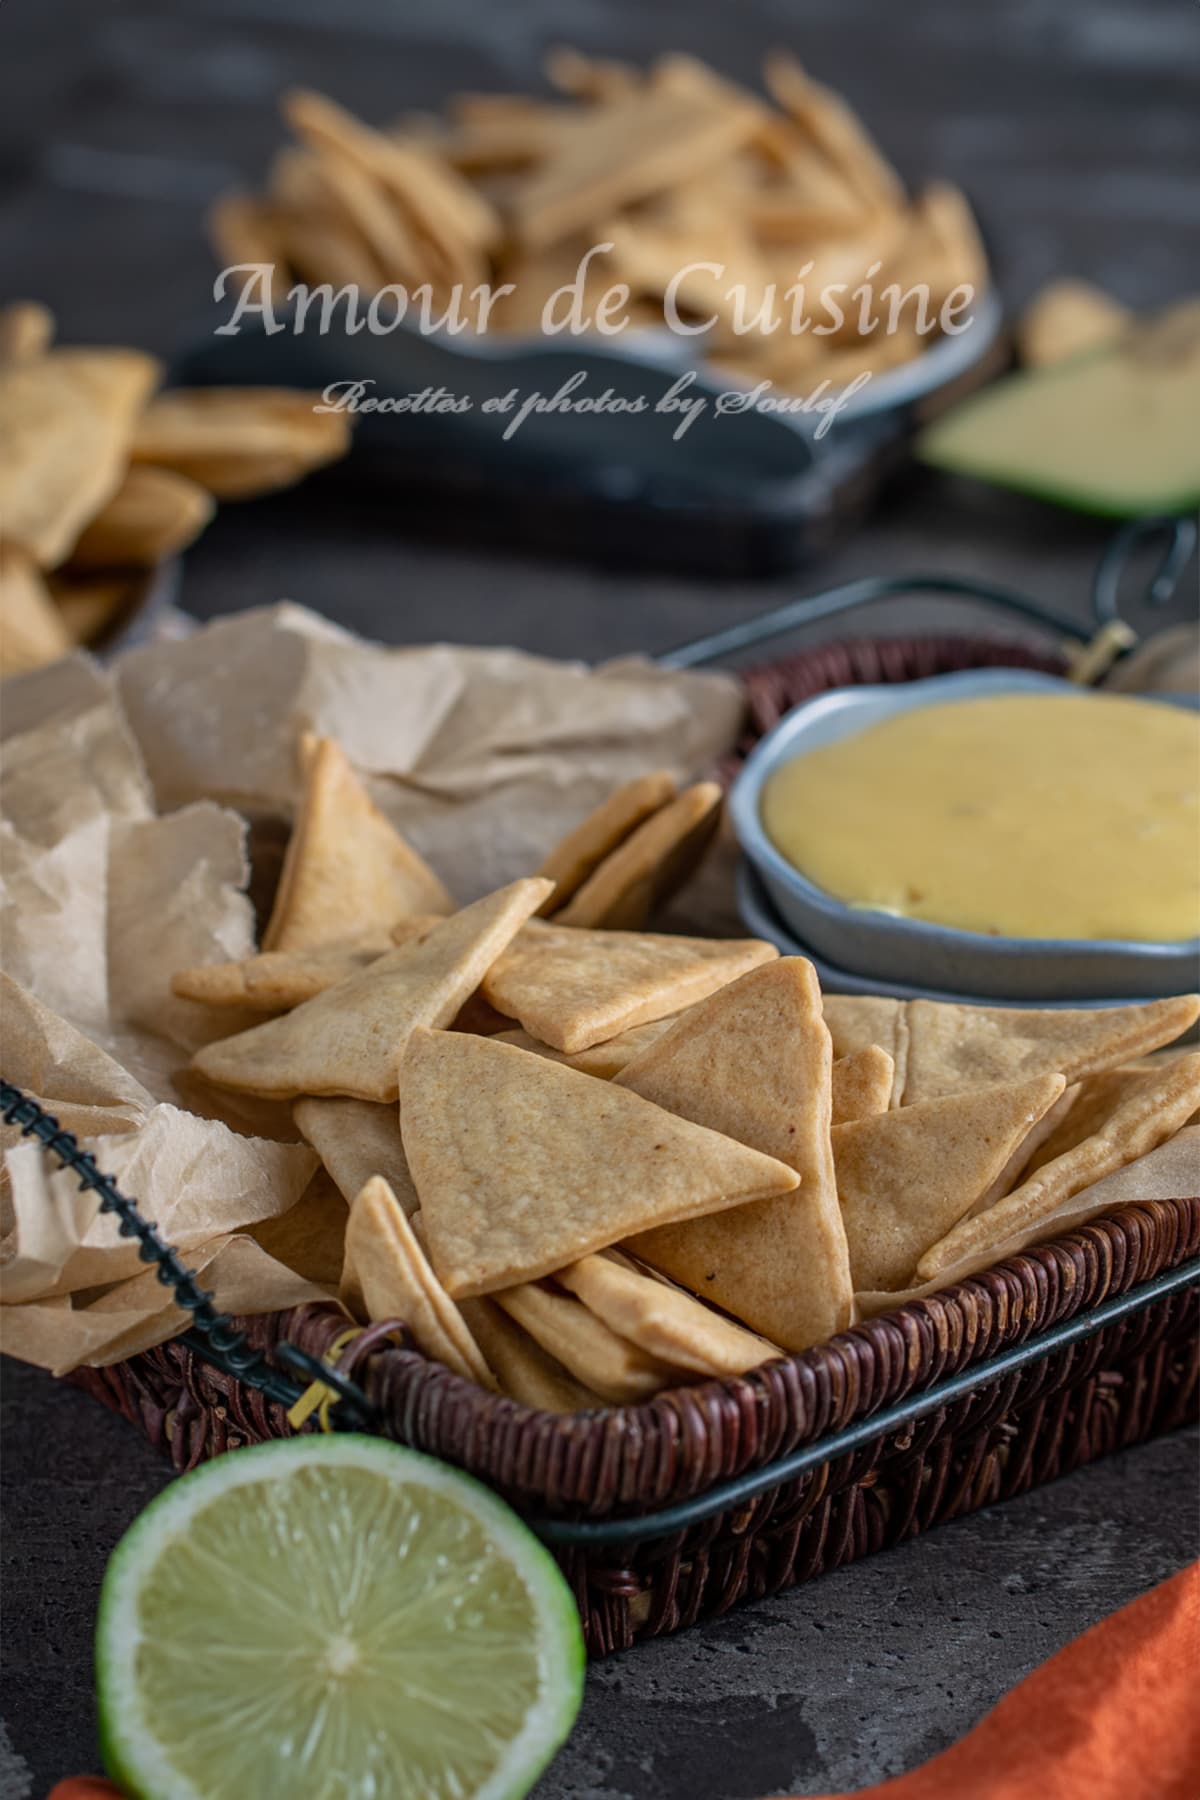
[1111, 1717]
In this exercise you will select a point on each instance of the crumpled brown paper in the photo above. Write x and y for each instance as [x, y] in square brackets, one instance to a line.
[482, 757]
[121, 861]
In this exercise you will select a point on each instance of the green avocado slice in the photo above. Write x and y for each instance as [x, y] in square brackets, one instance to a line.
[1113, 431]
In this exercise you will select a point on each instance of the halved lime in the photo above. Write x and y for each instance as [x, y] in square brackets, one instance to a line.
[333, 1618]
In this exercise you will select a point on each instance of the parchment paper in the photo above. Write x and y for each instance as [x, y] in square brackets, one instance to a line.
[123, 810]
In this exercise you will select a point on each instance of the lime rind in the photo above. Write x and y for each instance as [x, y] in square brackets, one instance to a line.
[134, 1750]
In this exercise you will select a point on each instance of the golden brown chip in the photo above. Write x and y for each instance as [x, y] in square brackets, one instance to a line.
[66, 420]
[835, 129]
[574, 988]
[277, 980]
[93, 605]
[603, 1060]
[347, 868]
[239, 441]
[662, 1319]
[624, 151]
[613, 1367]
[1067, 318]
[650, 865]
[153, 514]
[356, 1139]
[390, 1270]
[1146, 1117]
[905, 1177]
[862, 1084]
[349, 1039]
[574, 857]
[523, 1166]
[242, 229]
[32, 630]
[26, 331]
[754, 1062]
[523, 1369]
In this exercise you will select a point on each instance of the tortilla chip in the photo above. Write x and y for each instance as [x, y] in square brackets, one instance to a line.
[386, 240]
[944, 1047]
[602, 1060]
[92, 605]
[152, 515]
[356, 1139]
[523, 1369]
[66, 420]
[754, 1062]
[1022, 1158]
[662, 1319]
[392, 1273]
[26, 331]
[32, 630]
[1067, 318]
[277, 980]
[238, 441]
[574, 988]
[588, 77]
[346, 864]
[523, 1166]
[622, 152]
[349, 1039]
[905, 1177]
[952, 1047]
[1150, 1113]
[650, 865]
[835, 129]
[572, 859]
[310, 1237]
[611, 1366]
[862, 1084]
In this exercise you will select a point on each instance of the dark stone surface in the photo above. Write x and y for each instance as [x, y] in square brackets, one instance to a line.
[1073, 126]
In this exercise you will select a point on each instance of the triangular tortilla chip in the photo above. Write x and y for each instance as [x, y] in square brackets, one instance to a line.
[347, 870]
[1147, 1116]
[942, 1047]
[906, 1176]
[349, 1039]
[523, 1165]
[277, 980]
[572, 859]
[32, 629]
[523, 1369]
[662, 1319]
[390, 1270]
[573, 989]
[754, 1063]
[1026, 1153]
[953, 1047]
[66, 420]
[356, 1139]
[862, 1084]
[610, 1365]
[858, 1021]
[644, 871]
[604, 1060]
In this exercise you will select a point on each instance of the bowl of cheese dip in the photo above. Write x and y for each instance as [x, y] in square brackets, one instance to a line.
[994, 831]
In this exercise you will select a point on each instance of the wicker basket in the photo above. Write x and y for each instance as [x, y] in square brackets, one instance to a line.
[674, 1511]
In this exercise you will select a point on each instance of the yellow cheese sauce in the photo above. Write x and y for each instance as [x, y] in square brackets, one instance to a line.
[1024, 815]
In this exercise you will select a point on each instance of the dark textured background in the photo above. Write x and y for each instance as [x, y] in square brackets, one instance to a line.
[1073, 125]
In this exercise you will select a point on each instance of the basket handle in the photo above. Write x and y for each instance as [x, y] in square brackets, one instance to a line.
[1180, 534]
[212, 1335]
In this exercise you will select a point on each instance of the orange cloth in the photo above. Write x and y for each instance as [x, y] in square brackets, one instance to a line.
[1111, 1717]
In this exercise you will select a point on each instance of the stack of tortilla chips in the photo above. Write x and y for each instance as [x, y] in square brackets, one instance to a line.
[101, 479]
[585, 1162]
[662, 173]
